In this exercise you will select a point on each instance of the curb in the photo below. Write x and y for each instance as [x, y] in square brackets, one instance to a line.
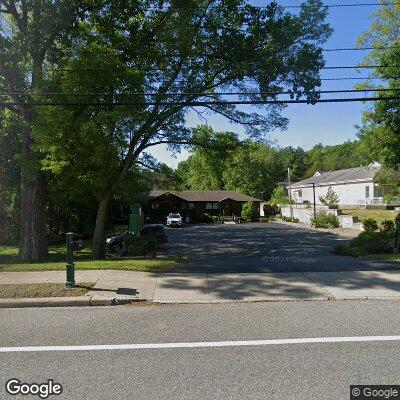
[63, 302]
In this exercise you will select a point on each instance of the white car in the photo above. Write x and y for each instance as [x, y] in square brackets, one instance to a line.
[174, 220]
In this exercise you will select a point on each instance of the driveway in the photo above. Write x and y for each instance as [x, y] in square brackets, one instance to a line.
[258, 247]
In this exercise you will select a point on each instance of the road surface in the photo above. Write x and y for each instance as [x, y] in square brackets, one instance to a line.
[276, 368]
[261, 247]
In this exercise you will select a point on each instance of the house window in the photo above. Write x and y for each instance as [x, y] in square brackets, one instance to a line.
[184, 206]
[367, 192]
[191, 206]
[155, 206]
[209, 206]
[215, 206]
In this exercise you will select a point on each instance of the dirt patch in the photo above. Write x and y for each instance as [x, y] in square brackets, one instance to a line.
[36, 290]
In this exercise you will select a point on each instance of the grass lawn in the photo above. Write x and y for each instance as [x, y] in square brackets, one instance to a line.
[9, 261]
[383, 257]
[378, 215]
[29, 290]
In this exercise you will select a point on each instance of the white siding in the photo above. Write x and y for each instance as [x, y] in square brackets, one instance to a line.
[349, 193]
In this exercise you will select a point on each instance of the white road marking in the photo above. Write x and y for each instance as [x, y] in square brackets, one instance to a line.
[155, 346]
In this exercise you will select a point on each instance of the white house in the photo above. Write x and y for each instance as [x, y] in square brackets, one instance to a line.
[353, 186]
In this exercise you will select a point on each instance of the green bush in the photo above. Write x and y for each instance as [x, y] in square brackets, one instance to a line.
[387, 225]
[291, 219]
[370, 225]
[214, 218]
[372, 242]
[345, 250]
[279, 196]
[140, 246]
[324, 219]
[206, 218]
[266, 219]
[270, 209]
[249, 211]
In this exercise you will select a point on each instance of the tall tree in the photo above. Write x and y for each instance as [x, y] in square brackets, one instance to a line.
[183, 55]
[380, 131]
[29, 34]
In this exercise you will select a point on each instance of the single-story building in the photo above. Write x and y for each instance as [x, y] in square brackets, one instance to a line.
[192, 204]
[353, 186]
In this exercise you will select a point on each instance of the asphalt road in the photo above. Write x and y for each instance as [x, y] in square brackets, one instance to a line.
[259, 247]
[282, 371]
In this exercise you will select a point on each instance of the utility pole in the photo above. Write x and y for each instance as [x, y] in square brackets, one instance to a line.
[315, 209]
[290, 193]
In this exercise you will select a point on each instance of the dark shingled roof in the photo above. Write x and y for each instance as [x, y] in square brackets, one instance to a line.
[342, 176]
[198, 195]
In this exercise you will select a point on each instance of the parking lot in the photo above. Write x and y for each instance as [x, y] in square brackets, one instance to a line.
[260, 247]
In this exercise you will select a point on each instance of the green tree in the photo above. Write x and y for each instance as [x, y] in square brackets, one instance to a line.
[200, 48]
[380, 131]
[204, 169]
[330, 199]
[30, 33]
[249, 211]
[254, 170]
[279, 196]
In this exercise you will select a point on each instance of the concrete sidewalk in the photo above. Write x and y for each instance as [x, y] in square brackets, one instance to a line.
[210, 288]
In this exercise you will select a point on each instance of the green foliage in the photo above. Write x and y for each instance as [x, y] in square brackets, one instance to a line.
[206, 218]
[279, 196]
[387, 226]
[140, 246]
[372, 242]
[291, 219]
[249, 211]
[330, 199]
[270, 209]
[370, 225]
[379, 130]
[324, 219]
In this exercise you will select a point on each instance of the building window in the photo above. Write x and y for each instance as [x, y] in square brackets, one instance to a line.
[209, 206]
[367, 192]
[191, 206]
[184, 206]
[155, 206]
[215, 206]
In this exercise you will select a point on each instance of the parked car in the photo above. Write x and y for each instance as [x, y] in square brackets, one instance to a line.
[156, 231]
[174, 220]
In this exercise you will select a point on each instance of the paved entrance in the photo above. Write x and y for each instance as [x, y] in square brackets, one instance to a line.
[258, 247]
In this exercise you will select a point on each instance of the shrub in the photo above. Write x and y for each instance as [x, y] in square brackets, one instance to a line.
[214, 218]
[291, 219]
[206, 218]
[140, 246]
[345, 250]
[370, 225]
[371, 242]
[330, 199]
[266, 219]
[387, 225]
[249, 211]
[324, 219]
[270, 209]
[279, 196]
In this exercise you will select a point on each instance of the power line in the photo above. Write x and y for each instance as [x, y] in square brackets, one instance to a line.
[203, 103]
[387, 3]
[288, 92]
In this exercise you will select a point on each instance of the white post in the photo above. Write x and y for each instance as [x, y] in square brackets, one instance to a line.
[290, 194]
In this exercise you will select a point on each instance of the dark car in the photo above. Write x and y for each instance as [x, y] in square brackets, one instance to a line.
[156, 231]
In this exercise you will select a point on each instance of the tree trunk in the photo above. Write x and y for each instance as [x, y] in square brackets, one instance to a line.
[99, 243]
[33, 246]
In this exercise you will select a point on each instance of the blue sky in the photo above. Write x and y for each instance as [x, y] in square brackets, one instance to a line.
[330, 123]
